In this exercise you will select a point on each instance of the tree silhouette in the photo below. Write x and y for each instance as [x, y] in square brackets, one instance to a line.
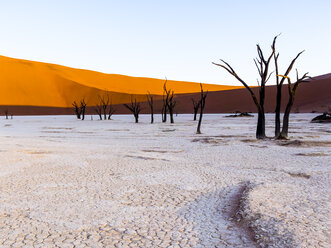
[202, 103]
[134, 108]
[262, 65]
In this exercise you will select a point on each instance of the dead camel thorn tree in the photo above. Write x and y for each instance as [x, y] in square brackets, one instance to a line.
[80, 109]
[83, 108]
[104, 102]
[165, 99]
[291, 91]
[134, 108]
[202, 103]
[262, 65]
[169, 103]
[98, 110]
[196, 106]
[171, 106]
[151, 105]
[77, 109]
[279, 84]
[111, 110]
[6, 114]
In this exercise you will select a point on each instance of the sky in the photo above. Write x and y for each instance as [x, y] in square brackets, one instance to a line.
[177, 39]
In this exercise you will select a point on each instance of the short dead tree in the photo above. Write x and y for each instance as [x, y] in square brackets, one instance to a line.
[134, 108]
[196, 106]
[6, 114]
[104, 102]
[291, 91]
[83, 108]
[171, 105]
[165, 99]
[202, 102]
[77, 109]
[151, 105]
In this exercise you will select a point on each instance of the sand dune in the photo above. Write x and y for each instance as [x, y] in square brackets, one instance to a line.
[29, 83]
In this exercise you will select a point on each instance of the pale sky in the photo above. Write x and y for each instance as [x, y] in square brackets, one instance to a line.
[173, 39]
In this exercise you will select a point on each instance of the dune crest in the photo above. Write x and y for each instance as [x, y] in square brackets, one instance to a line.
[31, 83]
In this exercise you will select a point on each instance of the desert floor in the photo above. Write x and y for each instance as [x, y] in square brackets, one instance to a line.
[71, 183]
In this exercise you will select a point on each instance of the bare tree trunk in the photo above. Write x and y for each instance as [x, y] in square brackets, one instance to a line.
[202, 107]
[260, 129]
[165, 99]
[83, 108]
[291, 91]
[196, 106]
[151, 106]
[6, 113]
[171, 106]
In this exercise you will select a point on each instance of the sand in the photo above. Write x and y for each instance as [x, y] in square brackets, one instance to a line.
[70, 183]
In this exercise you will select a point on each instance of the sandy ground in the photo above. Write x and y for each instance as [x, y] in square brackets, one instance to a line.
[70, 183]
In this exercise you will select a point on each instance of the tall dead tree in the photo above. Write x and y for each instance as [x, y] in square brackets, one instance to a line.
[171, 105]
[291, 91]
[77, 109]
[202, 103]
[111, 110]
[134, 108]
[83, 108]
[262, 65]
[165, 99]
[279, 84]
[196, 105]
[151, 105]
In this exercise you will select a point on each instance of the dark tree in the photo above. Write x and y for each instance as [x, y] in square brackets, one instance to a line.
[83, 108]
[77, 109]
[134, 108]
[151, 105]
[165, 99]
[98, 110]
[171, 106]
[6, 113]
[279, 84]
[111, 110]
[104, 102]
[202, 103]
[196, 105]
[262, 65]
[291, 91]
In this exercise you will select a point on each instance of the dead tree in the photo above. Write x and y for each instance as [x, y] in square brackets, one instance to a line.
[262, 65]
[77, 109]
[98, 110]
[291, 91]
[196, 105]
[134, 108]
[202, 103]
[111, 110]
[165, 99]
[171, 105]
[83, 108]
[151, 105]
[6, 114]
[104, 102]
[279, 84]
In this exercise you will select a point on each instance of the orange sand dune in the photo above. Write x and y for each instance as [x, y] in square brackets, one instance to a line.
[24, 82]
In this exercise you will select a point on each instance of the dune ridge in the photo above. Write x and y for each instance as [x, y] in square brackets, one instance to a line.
[30, 83]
